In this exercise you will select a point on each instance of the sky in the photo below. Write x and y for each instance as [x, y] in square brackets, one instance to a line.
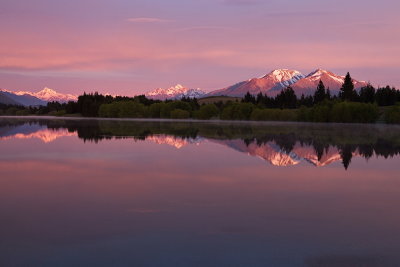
[129, 47]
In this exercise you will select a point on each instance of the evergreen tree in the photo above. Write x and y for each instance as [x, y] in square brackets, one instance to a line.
[346, 154]
[260, 100]
[328, 94]
[367, 94]
[307, 101]
[249, 98]
[320, 94]
[287, 98]
[386, 96]
[347, 91]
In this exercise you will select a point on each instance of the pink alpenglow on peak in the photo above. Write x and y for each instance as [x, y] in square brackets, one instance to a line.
[332, 81]
[174, 141]
[175, 92]
[50, 95]
[45, 135]
[271, 84]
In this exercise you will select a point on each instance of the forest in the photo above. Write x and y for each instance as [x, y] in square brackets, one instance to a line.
[367, 105]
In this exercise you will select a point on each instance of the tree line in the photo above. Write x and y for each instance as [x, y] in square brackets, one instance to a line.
[367, 105]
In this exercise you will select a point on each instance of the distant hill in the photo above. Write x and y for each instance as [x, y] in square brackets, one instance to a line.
[5, 99]
[11, 98]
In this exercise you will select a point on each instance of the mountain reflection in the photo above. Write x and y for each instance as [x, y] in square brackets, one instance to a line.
[281, 144]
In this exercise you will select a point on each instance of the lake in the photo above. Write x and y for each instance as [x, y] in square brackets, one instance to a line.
[165, 193]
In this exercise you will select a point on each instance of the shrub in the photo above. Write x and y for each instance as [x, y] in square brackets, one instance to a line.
[57, 113]
[320, 113]
[180, 114]
[273, 115]
[392, 115]
[155, 110]
[304, 114]
[131, 109]
[237, 111]
[123, 109]
[11, 111]
[180, 105]
[22, 112]
[207, 112]
[109, 110]
[354, 112]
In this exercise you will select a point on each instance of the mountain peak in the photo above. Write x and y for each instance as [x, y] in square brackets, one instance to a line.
[286, 77]
[49, 95]
[278, 79]
[175, 92]
[278, 71]
[281, 74]
[332, 81]
[320, 72]
[179, 86]
[48, 91]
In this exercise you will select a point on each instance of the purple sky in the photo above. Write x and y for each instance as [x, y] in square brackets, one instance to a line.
[132, 46]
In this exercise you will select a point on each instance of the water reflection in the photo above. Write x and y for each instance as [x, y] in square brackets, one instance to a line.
[119, 193]
[278, 144]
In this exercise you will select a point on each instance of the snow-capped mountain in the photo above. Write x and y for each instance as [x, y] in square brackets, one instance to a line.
[332, 81]
[26, 98]
[270, 84]
[27, 131]
[176, 142]
[50, 95]
[175, 92]
[275, 155]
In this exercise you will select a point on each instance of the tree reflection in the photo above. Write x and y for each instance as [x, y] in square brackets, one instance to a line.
[319, 144]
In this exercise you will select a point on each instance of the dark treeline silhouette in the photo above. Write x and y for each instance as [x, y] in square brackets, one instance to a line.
[287, 98]
[367, 105]
[365, 141]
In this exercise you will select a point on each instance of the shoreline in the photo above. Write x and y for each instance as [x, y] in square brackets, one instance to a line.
[250, 122]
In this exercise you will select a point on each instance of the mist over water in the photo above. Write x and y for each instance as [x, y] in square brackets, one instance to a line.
[136, 193]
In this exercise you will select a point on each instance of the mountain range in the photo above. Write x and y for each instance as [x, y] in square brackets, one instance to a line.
[41, 98]
[269, 152]
[272, 83]
[175, 92]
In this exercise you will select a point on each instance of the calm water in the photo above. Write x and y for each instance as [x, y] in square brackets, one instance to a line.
[123, 193]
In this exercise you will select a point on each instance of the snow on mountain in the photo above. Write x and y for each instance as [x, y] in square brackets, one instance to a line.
[50, 95]
[275, 155]
[26, 98]
[176, 142]
[332, 81]
[270, 84]
[45, 135]
[175, 92]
